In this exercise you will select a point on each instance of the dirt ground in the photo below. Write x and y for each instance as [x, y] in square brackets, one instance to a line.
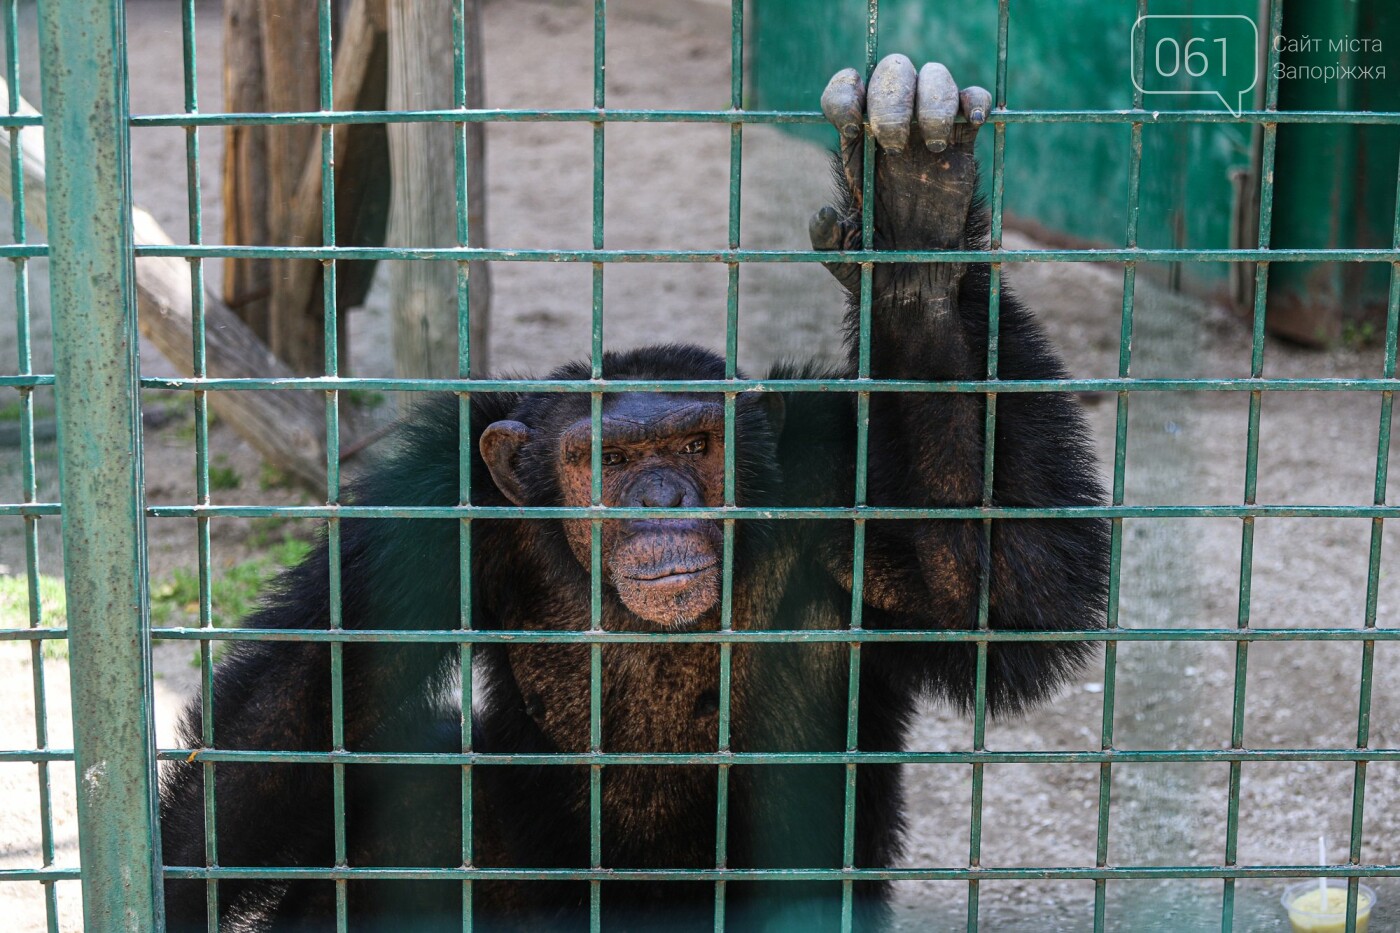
[666, 188]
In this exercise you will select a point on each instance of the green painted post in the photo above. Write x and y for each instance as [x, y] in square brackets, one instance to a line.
[97, 382]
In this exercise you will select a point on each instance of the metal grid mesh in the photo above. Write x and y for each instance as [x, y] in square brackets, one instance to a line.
[25, 382]
[104, 886]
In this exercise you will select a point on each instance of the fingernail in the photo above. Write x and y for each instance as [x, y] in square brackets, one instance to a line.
[978, 116]
[937, 145]
[894, 150]
[850, 130]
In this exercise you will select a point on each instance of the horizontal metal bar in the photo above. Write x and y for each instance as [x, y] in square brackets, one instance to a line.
[726, 256]
[1134, 872]
[34, 755]
[588, 386]
[28, 508]
[802, 636]
[866, 513]
[779, 636]
[624, 115]
[487, 115]
[23, 250]
[40, 874]
[574, 759]
[33, 634]
[27, 381]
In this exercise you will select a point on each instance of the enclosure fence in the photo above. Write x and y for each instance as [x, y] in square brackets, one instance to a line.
[97, 381]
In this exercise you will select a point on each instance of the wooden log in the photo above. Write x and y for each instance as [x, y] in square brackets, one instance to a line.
[423, 207]
[287, 428]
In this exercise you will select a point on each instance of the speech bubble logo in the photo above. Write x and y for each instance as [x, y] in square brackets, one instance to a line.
[1211, 55]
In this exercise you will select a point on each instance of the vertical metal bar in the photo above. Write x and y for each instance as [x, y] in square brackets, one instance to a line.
[867, 234]
[595, 574]
[464, 432]
[1251, 468]
[731, 371]
[1120, 462]
[96, 365]
[29, 486]
[201, 455]
[979, 722]
[326, 88]
[1373, 575]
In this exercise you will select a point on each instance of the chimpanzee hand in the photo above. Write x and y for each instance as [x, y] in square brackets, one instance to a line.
[925, 172]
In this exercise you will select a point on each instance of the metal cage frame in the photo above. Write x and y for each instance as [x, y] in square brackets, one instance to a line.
[97, 381]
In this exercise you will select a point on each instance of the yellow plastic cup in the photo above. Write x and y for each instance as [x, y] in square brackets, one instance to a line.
[1308, 912]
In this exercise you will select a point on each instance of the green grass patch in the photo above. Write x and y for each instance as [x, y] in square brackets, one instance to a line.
[233, 593]
[222, 476]
[233, 590]
[53, 604]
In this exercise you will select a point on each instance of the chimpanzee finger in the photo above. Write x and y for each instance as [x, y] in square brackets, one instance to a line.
[828, 232]
[843, 102]
[825, 229]
[937, 105]
[976, 104]
[889, 101]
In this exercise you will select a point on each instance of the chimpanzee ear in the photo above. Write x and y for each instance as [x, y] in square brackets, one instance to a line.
[500, 446]
[776, 409]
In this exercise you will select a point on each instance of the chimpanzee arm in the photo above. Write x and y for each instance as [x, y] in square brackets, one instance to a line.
[277, 696]
[929, 322]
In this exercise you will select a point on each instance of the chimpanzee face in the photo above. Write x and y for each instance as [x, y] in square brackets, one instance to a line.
[659, 451]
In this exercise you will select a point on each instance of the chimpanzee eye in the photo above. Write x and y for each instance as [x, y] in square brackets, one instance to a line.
[613, 458]
[695, 446]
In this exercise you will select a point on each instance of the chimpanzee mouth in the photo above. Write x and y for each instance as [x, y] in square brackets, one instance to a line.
[670, 579]
[671, 574]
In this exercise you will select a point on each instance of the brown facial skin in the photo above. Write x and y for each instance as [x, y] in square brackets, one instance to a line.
[659, 451]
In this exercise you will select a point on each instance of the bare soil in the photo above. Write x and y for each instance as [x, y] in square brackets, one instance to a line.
[667, 188]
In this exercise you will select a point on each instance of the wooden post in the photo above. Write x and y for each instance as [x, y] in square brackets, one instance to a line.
[290, 83]
[423, 205]
[362, 166]
[247, 282]
[272, 175]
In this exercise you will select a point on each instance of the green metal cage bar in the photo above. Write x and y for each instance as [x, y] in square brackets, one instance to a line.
[204, 552]
[88, 162]
[28, 480]
[984, 585]
[595, 550]
[731, 371]
[1120, 462]
[1256, 398]
[96, 369]
[464, 451]
[620, 115]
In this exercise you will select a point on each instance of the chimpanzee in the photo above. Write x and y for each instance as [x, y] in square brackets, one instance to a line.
[929, 321]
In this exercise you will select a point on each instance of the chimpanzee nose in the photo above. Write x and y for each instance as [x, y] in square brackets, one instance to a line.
[660, 493]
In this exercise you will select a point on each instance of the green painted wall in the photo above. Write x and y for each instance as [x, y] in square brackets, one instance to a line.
[1071, 179]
